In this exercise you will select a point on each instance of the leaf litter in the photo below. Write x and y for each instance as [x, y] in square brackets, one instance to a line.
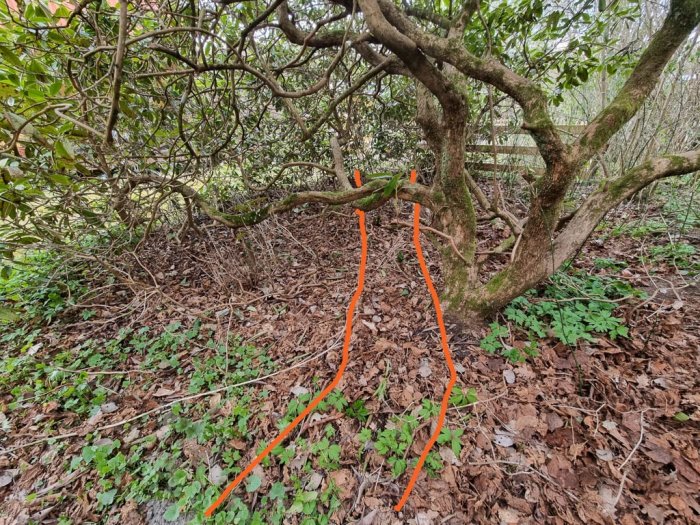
[584, 437]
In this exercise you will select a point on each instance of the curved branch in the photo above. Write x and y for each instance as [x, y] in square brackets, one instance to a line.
[611, 193]
[408, 51]
[360, 42]
[524, 91]
[257, 21]
[367, 197]
[428, 15]
[299, 37]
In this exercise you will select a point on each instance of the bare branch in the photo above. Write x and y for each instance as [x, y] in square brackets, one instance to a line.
[615, 191]
[340, 174]
[118, 66]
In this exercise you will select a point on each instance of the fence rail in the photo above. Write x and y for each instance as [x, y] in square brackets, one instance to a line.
[500, 149]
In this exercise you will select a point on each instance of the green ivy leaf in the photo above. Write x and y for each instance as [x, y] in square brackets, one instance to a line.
[172, 513]
[107, 498]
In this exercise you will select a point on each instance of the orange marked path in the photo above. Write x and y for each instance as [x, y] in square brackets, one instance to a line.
[445, 349]
[330, 387]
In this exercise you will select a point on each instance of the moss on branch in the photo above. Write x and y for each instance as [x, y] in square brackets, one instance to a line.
[369, 196]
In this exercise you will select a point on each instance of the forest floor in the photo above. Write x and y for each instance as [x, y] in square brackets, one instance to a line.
[604, 431]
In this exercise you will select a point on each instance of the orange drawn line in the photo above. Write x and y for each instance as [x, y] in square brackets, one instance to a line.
[445, 349]
[331, 386]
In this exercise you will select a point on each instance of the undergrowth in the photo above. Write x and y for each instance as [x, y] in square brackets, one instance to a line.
[572, 307]
[41, 286]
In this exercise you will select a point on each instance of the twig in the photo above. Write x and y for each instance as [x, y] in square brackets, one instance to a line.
[439, 234]
[104, 372]
[639, 441]
[118, 66]
[528, 468]
[61, 483]
[169, 404]
[619, 490]
[312, 424]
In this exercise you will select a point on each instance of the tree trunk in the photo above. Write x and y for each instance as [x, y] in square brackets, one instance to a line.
[454, 212]
[538, 255]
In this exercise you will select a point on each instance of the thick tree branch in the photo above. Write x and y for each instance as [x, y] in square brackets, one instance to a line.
[340, 173]
[525, 92]
[414, 59]
[367, 197]
[428, 15]
[513, 281]
[613, 192]
[324, 40]
[682, 18]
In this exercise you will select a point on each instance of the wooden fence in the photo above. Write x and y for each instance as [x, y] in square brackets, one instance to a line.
[504, 149]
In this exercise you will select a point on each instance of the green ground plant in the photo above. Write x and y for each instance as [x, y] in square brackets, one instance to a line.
[571, 307]
[40, 286]
[679, 254]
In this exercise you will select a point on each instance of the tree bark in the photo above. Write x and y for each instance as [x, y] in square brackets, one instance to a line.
[535, 262]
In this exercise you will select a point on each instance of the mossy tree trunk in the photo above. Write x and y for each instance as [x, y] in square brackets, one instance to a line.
[544, 239]
[393, 42]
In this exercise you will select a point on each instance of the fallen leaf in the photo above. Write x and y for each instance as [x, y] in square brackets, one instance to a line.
[163, 392]
[605, 454]
[299, 390]
[314, 481]
[345, 481]
[509, 376]
[448, 456]
[108, 408]
[425, 370]
[554, 421]
[503, 440]
[216, 475]
[368, 519]
[8, 476]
